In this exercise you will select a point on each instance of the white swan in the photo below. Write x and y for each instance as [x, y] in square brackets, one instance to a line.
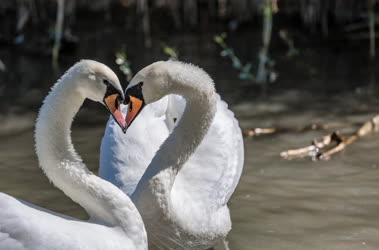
[182, 175]
[114, 221]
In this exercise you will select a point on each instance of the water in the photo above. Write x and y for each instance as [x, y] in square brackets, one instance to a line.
[302, 204]
[278, 204]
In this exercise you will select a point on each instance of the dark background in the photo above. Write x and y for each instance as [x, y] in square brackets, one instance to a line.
[332, 40]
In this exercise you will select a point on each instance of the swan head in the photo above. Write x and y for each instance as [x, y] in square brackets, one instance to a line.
[99, 83]
[149, 85]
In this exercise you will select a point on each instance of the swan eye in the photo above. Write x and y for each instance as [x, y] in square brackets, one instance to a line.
[118, 102]
[106, 82]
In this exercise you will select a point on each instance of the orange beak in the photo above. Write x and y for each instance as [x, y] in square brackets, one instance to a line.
[112, 102]
[135, 107]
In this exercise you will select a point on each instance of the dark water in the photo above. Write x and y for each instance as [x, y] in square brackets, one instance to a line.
[278, 204]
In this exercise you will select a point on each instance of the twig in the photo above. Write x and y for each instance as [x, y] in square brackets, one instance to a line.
[333, 143]
[259, 131]
[252, 132]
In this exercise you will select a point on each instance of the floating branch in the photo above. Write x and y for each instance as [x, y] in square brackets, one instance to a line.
[327, 146]
[259, 131]
[252, 132]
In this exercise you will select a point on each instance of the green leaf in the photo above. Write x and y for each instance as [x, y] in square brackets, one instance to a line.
[236, 63]
[218, 39]
[246, 76]
[224, 53]
[246, 68]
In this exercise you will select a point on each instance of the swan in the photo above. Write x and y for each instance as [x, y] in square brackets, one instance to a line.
[114, 220]
[182, 158]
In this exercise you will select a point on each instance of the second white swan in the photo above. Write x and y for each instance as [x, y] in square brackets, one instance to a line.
[180, 160]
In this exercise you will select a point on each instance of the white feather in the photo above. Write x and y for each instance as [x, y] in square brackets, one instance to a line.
[115, 222]
[203, 184]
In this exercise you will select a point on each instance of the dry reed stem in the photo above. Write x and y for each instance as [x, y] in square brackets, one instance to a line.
[58, 32]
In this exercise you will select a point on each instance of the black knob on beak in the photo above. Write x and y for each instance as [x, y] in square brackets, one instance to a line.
[126, 100]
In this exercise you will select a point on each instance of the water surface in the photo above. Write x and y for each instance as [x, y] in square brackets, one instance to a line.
[278, 204]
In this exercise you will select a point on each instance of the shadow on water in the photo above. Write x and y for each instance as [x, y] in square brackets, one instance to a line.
[278, 204]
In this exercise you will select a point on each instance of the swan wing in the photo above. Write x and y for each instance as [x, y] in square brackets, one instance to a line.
[210, 175]
[26, 226]
[213, 171]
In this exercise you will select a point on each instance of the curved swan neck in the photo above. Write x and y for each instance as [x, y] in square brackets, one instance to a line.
[197, 88]
[53, 131]
[53, 127]
[57, 157]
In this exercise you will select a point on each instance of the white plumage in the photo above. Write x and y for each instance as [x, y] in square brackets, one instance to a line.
[203, 149]
[115, 222]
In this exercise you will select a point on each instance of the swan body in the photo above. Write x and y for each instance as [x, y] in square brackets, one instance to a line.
[114, 220]
[180, 160]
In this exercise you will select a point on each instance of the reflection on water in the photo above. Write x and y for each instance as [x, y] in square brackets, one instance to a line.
[278, 204]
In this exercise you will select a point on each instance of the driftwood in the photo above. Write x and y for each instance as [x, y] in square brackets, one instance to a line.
[251, 132]
[327, 146]
[324, 147]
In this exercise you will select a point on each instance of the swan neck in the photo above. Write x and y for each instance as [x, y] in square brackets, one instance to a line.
[104, 202]
[53, 127]
[189, 132]
[182, 142]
